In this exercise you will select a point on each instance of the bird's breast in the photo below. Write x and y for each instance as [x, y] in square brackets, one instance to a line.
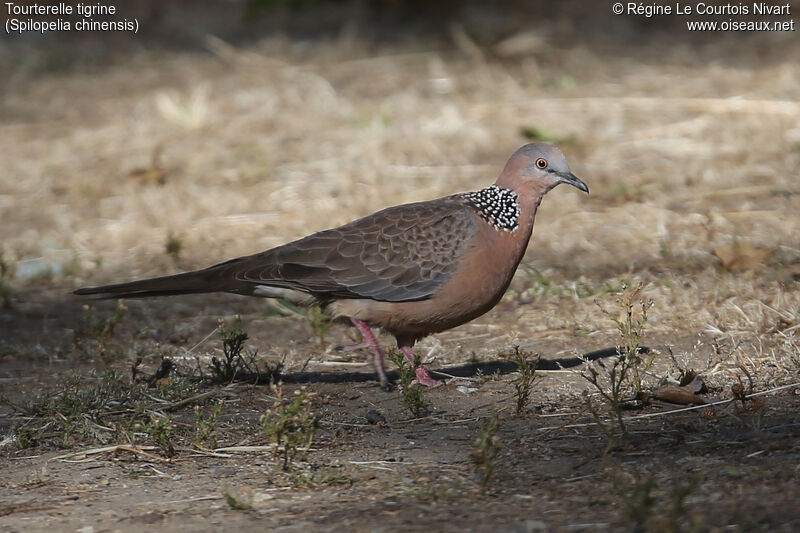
[483, 273]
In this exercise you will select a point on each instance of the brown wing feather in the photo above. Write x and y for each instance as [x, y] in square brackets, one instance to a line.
[401, 253]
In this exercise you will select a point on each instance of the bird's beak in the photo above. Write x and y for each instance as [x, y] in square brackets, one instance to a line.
[571, 179]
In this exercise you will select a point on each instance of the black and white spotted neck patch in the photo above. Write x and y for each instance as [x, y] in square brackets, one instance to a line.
[497, 206]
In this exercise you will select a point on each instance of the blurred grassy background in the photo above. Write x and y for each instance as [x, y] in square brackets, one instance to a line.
[225, 128]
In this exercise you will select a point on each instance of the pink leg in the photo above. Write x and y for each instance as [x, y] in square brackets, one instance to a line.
[379, 358]
[423, 378]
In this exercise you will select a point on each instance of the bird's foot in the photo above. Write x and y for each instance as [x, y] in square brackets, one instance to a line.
[424, 379]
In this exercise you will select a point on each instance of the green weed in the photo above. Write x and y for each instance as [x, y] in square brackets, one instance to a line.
[523, 385]
[290, 424]
[161, 429]
[174, 246]
[318, 476]
[96, 339]
[319, 322]
[105, 408]
[487, 446]
[206, 425]
[539, 134]
[67, 412]
[646, 508]
[224, 371]
[412, 396]
[625, 373]
[102, 329]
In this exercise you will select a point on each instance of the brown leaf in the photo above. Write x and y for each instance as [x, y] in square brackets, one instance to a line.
[676, 394]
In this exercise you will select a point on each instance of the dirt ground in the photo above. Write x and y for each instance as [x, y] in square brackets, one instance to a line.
[167, 160]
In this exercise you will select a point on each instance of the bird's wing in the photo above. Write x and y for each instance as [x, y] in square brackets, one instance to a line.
[399, 254]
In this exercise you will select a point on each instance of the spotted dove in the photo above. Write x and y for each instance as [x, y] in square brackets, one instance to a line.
[412, 270]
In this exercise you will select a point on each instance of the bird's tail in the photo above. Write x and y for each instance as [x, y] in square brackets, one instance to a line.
[211, 279]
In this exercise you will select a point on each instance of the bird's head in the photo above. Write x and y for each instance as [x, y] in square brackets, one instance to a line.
[538, 167]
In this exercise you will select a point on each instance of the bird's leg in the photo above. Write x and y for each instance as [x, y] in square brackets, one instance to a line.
[378, 358]
[423, 378]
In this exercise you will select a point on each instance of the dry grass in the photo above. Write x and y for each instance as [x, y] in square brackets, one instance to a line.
[261, 145]
[265, 145]
[686, 152]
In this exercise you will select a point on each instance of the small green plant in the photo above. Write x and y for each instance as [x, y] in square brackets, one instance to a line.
[240, 501]
[232, 345]
[101, 329]
[95, 340]
[314, 476]
[412, 396]
[535, 285]
[107, 408]
[541, 284]
[639, 502]
[319, 321]
[76, 396]
[646, 508]
[206, 425]
[487, 446]
[290, 424]
[539, 134]
[67, 430]
[161, 429]
[330, 476]
[631, 328]
[523, 385]
[624, 193]
[25, 437]
[174, 246]
[69, 413]
[625, 374]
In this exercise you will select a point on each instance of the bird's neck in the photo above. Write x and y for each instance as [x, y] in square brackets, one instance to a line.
[504, 248]
[528, 205]
[496, 205]
[506, 210]
[528, 200]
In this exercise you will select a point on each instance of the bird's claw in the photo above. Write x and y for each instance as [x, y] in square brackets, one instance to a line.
[424, 379]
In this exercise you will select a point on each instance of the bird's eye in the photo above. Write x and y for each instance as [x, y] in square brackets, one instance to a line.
[541, 163]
